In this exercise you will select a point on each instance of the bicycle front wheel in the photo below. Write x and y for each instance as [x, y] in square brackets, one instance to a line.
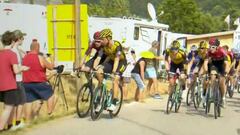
[84, 99]
[117, 101]
[170, 103]
[97, 103]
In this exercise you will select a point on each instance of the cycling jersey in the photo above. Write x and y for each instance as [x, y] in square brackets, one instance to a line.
[92, 46]
[178, 58]
[219, 54]
[113, 51]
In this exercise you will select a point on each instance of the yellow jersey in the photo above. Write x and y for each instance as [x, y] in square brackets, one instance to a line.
[178, 58]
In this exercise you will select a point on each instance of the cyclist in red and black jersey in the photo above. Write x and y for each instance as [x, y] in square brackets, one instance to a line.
[94, 45]
[217, 59]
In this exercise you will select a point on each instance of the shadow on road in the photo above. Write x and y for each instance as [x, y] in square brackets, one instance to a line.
[238, 131]
[143, 125]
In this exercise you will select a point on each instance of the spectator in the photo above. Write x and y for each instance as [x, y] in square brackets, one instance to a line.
[18, 111]
[35, 81]
[8, 87]
[138, 73]
[151, 71]
[130, 56]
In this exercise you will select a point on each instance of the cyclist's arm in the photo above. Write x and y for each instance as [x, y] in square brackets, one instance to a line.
[117, 59]
[142, 67]
[97, 60]
[167, 60]
[205, 65]
[189, 65]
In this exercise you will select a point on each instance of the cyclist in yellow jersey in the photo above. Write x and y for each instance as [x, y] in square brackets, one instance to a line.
[115, 62]
[175, 58]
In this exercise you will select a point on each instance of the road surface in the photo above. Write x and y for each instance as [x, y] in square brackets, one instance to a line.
[149, 118]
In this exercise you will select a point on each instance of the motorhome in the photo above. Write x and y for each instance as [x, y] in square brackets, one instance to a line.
[30, 19]
[138, 33]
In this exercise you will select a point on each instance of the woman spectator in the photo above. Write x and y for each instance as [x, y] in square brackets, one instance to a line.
[138, 73]
[8, 87]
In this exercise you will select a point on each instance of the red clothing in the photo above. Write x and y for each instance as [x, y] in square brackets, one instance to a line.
[36, 73]
[219, 54]
[92, 46]
[7, 76]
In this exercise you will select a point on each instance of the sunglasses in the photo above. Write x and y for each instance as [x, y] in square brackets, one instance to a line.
[97, 41]
[174, 49]
[213, 47]
[202, 48]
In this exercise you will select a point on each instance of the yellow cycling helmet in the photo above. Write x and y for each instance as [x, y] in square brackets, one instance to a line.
[147, 55]
[175, 44]
[203, 44]
[105, 33]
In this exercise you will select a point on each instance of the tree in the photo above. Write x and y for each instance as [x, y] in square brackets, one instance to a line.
[108, 8]
[185, 17]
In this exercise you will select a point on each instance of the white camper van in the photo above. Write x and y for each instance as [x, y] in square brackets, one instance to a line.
[30, 19]
[139, 33]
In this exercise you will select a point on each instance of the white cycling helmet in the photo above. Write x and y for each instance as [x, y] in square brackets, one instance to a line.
[194, 48]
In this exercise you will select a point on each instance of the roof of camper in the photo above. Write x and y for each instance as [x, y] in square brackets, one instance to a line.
[136, 21]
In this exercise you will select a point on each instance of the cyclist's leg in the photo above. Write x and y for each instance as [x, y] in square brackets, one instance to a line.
[173, 69]
[232, 78]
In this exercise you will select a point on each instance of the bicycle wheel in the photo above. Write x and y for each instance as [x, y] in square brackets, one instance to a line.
[208, 103]
[84, 100]
[178, 99]
[99, 97]
[197, 99]
[229, 89]
[170, 102]
[190, 95]
[118, 102]
[238, 88]
[217, 109]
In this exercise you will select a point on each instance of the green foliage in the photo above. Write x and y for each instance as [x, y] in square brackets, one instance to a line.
[109, 8]
[187, 16]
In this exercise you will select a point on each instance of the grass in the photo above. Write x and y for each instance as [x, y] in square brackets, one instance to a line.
[71, 93]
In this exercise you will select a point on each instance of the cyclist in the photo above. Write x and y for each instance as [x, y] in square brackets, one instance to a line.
[115, 62]
[217, 59]
[231, 63]
[175, 58]
[196, 61]
[96, 45]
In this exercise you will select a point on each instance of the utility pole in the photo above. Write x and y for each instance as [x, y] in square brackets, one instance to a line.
[77, 33]
[77, 39]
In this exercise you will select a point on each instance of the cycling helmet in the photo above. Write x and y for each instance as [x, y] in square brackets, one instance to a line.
[96, 35]
[235, 51]
[105, 33]
[225, 47]
[175, 44]
[203, 44]
[147, 55]
[194, 48]
[214, 42]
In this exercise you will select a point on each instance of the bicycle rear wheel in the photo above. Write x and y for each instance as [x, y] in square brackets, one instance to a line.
[178, 99]
[84, 100]
[197, 99]
[217, 99]
[190, 95]
[229, 89]
[118, 102]
[208, 103]
[98, 103]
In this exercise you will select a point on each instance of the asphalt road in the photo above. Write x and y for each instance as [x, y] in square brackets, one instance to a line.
[149, 118]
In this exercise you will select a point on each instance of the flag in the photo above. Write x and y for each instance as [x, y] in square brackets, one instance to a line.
[237, 21]
[227, 19]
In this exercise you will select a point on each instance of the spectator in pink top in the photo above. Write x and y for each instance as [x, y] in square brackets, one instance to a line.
[8, 87]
